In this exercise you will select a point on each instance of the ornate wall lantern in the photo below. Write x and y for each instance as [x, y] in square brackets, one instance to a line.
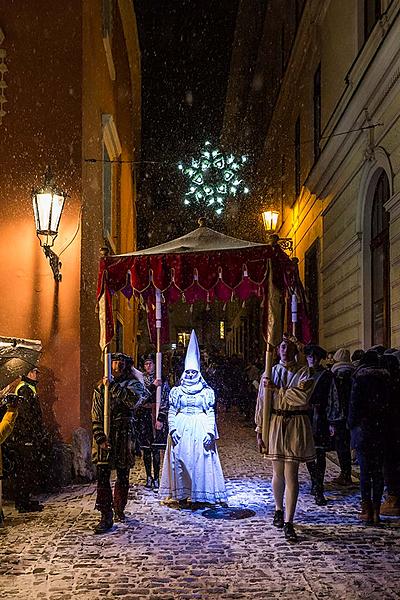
[48, 204]
[270, 220]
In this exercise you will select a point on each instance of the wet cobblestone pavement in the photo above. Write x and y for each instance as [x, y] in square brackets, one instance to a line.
[162, 553]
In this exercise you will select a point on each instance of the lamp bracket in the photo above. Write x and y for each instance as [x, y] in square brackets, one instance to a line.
[54, 261]
[286, 244]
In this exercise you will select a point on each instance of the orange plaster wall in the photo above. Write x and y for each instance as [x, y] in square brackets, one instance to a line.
[43, 126]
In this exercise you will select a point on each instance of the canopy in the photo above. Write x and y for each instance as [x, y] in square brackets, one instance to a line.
[202, 265]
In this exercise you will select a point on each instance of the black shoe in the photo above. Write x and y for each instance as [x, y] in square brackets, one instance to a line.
[149, 483]
[119, 517]
[320, 499]
[290, 534]
[34, 506]
[156, 484]
[183, 503]
[105, 524]
[278, 519]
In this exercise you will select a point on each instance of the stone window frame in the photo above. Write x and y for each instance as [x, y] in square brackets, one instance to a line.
[371, 172]
[111, 147]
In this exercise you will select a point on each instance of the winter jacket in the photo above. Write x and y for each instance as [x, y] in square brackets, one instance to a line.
[319, 404]
[369, 407]
[339, 394]
[6, 427]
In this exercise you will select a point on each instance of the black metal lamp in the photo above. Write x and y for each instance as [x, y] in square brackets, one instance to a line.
[48, 204]
[270, 220]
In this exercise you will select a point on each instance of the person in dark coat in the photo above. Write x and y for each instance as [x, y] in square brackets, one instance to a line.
[152, 430]
[339, 398]
[391, 464]
[126, 394]
[24, 445]
[319, 418]
[367, 420]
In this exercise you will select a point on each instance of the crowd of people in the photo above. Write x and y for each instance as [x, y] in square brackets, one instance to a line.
[314, 402]
[351, 403]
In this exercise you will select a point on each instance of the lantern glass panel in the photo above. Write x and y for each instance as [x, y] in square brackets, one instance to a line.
[43, 205]
[58, 204]
[270, 218]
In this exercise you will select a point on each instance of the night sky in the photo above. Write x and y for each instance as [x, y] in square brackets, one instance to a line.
[185, 51]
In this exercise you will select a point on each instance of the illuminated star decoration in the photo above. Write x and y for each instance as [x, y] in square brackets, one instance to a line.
[213, 178]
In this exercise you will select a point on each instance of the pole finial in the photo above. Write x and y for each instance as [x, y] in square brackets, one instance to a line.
[202, 222]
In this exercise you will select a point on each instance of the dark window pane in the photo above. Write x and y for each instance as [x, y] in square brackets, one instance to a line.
[372, 14]
[380, 266]
[297, 157]
[311, 287]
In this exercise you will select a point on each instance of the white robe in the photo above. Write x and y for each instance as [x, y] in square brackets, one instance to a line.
[189, 470]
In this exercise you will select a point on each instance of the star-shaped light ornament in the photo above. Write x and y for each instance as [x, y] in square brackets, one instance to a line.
[213, 178]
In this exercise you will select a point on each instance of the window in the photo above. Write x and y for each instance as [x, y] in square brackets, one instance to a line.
[298, 10]
[107, 194]
[311, 265]
[107, 30]
[380, 264]
[297, 158]
[372, 14]
[317, 112]
[111, 155]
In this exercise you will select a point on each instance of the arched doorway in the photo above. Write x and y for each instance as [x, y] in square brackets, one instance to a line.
[380, 263]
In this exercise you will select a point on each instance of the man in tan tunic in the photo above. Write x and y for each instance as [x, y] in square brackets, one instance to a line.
[290, 439]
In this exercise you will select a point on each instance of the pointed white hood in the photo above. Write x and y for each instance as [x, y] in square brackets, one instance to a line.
[190, 384]
[192, 359]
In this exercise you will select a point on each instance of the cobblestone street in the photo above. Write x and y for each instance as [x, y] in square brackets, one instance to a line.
[163, 553]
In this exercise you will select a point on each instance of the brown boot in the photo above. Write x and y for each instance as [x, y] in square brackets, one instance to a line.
[367, 512]
[376, 513]
[391, 506]
[106, 522]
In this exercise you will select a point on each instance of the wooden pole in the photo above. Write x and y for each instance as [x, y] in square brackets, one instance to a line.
[107, 375]
[267, 405]
[158, 350]
[294, 314]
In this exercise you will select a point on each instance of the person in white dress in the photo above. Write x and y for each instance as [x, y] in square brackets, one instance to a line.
[192, 470]
[290, 440]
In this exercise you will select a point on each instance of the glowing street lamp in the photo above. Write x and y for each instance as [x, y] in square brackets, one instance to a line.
[270, 219]
[48, 204]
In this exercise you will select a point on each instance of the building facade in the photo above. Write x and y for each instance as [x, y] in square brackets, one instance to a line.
[327, 157]
[70, 99]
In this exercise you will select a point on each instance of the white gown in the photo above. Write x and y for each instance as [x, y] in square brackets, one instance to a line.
[189, 470]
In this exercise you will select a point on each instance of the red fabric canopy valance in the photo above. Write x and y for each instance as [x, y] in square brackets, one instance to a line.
[204, 265]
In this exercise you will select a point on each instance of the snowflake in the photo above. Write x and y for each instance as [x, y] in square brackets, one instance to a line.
[213, 178]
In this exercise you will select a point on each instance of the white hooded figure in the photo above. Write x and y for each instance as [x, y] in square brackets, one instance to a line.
[192, 469]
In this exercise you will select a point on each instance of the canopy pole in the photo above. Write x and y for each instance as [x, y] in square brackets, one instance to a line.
[158, 350]
[107, 375]
[267, 404]
[294, 314]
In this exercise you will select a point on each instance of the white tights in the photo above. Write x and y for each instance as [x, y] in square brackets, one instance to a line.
[285, 481]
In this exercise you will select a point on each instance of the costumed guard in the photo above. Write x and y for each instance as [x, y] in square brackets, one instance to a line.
[290, 439]
[25, 444]
[192, 469]
[153, 431]
[320, 409]
[6, 426]
[126, 394]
